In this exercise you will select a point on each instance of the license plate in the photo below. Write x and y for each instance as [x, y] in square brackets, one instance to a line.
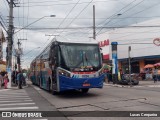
[86, 84]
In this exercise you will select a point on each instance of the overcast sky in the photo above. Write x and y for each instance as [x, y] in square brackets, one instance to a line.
[73, 19]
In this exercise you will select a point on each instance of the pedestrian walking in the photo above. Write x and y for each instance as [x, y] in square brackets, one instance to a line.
[155, 74]
[105, 71]
[6, 80]
[13, 77]
[19, 80]
[23, 79]
[121, 74]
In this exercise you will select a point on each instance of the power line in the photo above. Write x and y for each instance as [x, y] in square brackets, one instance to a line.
[77, 15]
[138, 12]
[47, 1]
[122, 12]
[89, 27]
[117, 13]
[2, 20]
[6, 5]
[17, 17]
[68, 14]
[27, 23]
[64, 4]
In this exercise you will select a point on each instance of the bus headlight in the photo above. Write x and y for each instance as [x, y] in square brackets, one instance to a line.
[64, 73]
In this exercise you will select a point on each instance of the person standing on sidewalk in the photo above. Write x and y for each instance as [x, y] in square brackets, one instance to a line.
[155, 74]
[5, 81]
[19, 80]
[1, 80]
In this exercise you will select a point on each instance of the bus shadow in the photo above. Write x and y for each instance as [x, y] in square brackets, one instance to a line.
[76, 94]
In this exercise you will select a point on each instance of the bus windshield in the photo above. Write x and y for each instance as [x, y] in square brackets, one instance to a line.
[81, 56]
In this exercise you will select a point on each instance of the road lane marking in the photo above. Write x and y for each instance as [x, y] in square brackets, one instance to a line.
[37, 88]
[17, 104]
[15, 98]
[37, 119]
[19, 108]
[15, 101]
[4, 90]
[10, 96]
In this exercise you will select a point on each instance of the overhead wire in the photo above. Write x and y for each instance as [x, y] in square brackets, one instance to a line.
[77, 16]
[62, 22]
[27, 24]
[146, 17]
[6, 5]
[68, 14]
[48, 1]
[113, 15]
[58, 4]
[137, 13]
[122, 12]
[2, 22]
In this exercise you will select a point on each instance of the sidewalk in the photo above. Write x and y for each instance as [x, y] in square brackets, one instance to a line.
[13, 87]
[149, 83]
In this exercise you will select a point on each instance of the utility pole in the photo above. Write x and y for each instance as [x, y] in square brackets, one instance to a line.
[10, 42]
[19, 54]
[129, 64]
[94, 26]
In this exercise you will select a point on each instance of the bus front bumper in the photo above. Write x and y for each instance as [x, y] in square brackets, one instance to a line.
[66, 83]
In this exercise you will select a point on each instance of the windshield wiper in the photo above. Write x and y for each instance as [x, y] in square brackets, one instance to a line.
[86, 59]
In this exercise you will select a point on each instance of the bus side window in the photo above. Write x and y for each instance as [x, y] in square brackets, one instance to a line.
[51, 56]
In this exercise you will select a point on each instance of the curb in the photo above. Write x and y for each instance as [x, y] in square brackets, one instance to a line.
[128, 86]
[13, 88]
[115, 85]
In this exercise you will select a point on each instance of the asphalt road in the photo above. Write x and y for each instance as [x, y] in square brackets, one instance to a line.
[110, 98]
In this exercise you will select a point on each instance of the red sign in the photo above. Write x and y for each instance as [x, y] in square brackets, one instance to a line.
[104, 43]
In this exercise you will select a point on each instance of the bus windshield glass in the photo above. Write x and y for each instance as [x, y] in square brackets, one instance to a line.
[81, 56]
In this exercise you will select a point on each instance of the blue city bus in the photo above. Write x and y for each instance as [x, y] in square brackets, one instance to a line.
[66, 65]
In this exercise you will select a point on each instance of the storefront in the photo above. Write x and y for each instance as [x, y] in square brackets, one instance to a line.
[138, 63]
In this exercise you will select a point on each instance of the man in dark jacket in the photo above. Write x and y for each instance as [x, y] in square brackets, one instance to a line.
[19, 79]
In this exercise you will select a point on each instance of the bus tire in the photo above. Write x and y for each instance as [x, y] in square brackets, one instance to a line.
[54, 92]
[85, 90]
[49, 85]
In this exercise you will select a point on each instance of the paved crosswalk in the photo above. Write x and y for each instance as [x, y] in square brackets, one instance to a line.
[17, 100]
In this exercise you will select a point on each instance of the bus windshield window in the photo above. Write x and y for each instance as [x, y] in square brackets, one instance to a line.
[79, 56]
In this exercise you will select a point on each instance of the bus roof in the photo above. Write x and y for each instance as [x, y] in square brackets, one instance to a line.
[91, 41]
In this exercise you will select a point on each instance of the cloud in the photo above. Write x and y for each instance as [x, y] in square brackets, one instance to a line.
[133, 12]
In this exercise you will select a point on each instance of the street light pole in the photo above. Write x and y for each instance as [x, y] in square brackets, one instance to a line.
[94, 26]
[34, 22]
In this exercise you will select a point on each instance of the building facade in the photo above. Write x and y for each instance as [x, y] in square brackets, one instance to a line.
[141, 40]
[2, 40]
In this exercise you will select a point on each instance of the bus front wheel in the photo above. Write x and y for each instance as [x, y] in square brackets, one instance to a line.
[85, 90]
